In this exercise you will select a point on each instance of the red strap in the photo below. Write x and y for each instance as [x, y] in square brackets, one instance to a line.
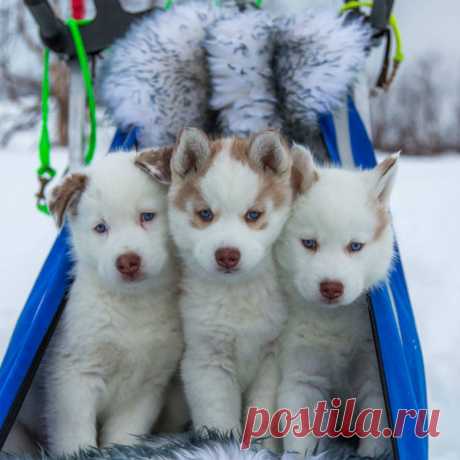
[78, 9]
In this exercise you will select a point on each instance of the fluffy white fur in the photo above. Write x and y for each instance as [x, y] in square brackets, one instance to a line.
[240, 53]
[211, 446]
[255, 70]
[195, 447]
[327, 347]
[230, 319]
[319, 55]
[119, 341]
[156, 77]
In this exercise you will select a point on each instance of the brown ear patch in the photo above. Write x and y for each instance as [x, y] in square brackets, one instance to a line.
[303, 171]
[156, 163]
[275, 189]
[299, 183]
[239, 149]
[188, 191]
[191, 152]
[65, 197]
[269, 150]
[215, 147]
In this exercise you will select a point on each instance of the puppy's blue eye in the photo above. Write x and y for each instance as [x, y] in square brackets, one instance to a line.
[310, 244]
[252, 216]
[355, 246]
[101, 228]
[206, 215]
[147, 216]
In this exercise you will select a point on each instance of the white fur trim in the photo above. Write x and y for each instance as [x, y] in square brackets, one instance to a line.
[156, 77]
[240, 51]
[179, 447]
[318, 58]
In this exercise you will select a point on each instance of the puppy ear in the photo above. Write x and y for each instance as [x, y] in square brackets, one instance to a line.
[384, 178]
[268, 150]
[191, 152]
[65, 197]
[156, 163]
[303, 173]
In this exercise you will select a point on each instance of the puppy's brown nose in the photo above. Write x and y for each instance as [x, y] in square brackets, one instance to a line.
[228, 258]
[128, 264]
[331, 290]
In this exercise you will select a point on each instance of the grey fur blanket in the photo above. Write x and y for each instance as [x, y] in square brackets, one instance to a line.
[211, 446]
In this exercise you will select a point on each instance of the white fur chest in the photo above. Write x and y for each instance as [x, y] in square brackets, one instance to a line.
[315, 335]
[125, 343]
[241, 319]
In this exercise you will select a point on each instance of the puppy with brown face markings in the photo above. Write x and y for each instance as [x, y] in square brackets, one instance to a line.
[119, 340]
[228, 202]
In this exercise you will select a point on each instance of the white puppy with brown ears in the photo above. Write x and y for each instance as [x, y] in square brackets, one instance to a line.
[119, 340]
[337, 244]
[228, 202]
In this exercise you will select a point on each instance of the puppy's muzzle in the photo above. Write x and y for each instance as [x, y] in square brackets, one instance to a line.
[331, 290]
[129, 265]
[228, 258]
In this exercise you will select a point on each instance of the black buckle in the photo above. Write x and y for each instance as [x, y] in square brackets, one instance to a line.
[380, 14]
[111, 22]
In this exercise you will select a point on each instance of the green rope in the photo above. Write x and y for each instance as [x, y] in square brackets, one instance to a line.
[168, 4]
[259, 3]
[86, 73]
[44, 147]
[46, 172]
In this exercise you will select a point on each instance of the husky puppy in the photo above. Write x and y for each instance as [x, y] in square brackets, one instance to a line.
[119, 340]
[337, 244]
[228, 202]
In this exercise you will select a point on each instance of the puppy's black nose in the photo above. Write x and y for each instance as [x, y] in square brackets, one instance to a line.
[128, 264]
[228, 258]
[331, 290]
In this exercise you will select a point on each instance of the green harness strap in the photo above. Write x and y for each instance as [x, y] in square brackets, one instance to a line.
[45, 171]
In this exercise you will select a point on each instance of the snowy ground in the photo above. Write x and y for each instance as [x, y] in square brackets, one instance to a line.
[427, 220]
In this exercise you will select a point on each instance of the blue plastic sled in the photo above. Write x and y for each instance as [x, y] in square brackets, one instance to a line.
[395, 332]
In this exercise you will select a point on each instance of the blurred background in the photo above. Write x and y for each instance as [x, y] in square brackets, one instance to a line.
[419, 114]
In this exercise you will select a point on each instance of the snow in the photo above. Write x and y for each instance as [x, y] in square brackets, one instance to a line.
[427, 221]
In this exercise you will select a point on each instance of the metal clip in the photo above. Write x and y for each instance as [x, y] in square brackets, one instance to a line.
[40, 195]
